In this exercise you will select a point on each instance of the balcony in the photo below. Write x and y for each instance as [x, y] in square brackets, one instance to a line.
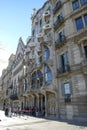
[36, 21]
[57, 7]
[46, 14]
[58, 22]
[60, 42]
[31, 58]
[47, 27]
[67, 98]
[63, 70]
[14, 96]
[40, 37]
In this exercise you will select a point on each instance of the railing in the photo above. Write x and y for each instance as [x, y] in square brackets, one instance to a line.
[14, 96]
[67, 98]
[47, 26]
[64, 69]
[57, 7]
[58, 22]
[74, 100]
[47, 13]
[60, 41]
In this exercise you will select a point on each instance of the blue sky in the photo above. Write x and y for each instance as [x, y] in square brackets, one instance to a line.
[15, 22]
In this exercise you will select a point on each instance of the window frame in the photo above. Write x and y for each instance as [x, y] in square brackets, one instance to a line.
[76, 24]
[73, 4]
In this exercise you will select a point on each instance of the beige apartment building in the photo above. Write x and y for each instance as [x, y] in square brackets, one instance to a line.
[49, 73]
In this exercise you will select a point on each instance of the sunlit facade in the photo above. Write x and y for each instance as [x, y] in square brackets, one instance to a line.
[49, 72]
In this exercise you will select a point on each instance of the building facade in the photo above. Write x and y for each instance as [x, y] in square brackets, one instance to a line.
[49, 72]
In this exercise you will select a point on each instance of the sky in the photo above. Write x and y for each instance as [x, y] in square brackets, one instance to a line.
[15, 22]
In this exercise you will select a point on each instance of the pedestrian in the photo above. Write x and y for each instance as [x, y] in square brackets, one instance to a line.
[6, 111]
[9, 112]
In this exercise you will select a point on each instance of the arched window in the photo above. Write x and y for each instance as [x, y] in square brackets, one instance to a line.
[46, 54]
[37, 79]
[47, 75]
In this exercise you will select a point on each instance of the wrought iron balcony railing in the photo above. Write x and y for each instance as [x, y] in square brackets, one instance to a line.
[58, 22]
[63, 69]
[60, 41]
[14, 96]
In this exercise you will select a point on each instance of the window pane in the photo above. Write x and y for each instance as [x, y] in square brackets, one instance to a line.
[79, 23]
[46, 53]
[47, 74]
[67, 88]
[85, 48]
[75, 5]
[85, 18]
[83, 2]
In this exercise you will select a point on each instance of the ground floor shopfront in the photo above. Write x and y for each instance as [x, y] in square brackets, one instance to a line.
[44, 102]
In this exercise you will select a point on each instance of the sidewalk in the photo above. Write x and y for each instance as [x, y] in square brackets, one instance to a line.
[3, 117]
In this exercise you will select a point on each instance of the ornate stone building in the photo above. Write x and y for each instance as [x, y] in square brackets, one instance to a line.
[49, 72]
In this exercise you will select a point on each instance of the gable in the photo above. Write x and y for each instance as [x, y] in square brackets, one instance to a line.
[20, 48]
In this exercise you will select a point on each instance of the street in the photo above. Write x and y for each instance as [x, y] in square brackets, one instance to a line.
[32, 123]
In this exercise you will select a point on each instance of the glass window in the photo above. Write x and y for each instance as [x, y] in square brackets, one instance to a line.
[40, 22]
[67, 88]
[83, 2]
[46, 53]
[85, 48]
[63, 63]
[75, 5]
[79, 23]
[47, 74]
[37, 79]
[85, 18]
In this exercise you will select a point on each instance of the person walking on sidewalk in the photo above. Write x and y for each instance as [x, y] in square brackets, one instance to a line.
[9, 112]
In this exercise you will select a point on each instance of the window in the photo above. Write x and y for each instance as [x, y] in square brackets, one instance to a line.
[83, 2]
[40, 22]
[79, 23]
[75, 4]
[85, 19]
[63, 63]
[46, 53]
[47, 75]
[33, 32]
[78, 3]
[25, 85]
[67, 88]
[85, 48]
[37, 79]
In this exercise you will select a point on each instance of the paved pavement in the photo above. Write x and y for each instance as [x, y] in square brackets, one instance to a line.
[32, 123]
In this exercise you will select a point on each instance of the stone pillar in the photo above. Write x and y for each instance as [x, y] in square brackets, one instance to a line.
[57, 105]
[83, 51]
[46, 105]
